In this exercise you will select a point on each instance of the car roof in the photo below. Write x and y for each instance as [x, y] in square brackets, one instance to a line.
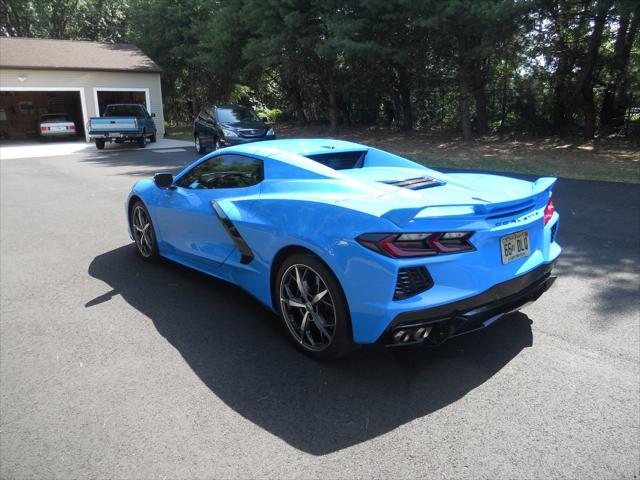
[298, 146]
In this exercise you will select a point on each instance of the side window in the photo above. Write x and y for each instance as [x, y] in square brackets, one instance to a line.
[224, 171]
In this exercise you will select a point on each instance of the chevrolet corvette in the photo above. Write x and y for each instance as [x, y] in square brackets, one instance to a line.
[349, 244]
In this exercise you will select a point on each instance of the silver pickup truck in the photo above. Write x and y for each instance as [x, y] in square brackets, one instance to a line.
[123, 122]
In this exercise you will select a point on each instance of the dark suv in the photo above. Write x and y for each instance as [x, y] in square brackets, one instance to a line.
[224, 125]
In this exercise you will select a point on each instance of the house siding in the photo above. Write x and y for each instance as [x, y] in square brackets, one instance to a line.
[86, 82]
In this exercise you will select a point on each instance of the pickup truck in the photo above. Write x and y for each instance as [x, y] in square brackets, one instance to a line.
[123, 122]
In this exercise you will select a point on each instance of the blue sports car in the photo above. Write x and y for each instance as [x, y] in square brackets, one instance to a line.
[351, 245]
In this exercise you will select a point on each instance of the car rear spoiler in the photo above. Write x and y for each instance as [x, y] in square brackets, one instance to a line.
[539, 188]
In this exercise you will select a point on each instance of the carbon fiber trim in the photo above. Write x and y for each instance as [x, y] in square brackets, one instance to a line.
[245, 251]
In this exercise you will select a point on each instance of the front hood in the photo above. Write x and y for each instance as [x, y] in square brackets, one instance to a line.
[245, 125]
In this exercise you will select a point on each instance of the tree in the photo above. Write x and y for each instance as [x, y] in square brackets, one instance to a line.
[616, 96]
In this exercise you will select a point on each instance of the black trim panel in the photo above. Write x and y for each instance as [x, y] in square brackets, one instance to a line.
[245, 250]
[471, 314]
[515, 287]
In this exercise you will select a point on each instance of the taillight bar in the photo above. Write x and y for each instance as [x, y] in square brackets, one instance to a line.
[549, 211]
[407, 245]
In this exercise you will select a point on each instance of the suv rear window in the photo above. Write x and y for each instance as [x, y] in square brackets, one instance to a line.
[340, 160]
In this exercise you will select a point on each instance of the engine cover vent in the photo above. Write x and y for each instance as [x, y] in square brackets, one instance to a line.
[415, 183]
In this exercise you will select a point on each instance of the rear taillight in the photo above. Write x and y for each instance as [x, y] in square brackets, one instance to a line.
[548, 211]
[405, 245]
[71, 127]
[44, 129]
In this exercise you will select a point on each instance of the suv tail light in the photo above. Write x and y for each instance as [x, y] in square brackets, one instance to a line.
[405, 245]
[548, 211]
[44, 129]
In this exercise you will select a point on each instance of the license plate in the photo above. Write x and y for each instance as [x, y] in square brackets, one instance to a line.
[514, 246]
[58, 129]
[115, 135]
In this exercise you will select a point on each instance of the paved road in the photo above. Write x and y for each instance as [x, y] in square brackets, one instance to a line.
[114, 368]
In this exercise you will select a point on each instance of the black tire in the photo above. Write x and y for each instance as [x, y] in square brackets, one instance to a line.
[153, 138]
[199, 146]
[341, 342]
[216, 144]
[147, 250]
[142, 141]
[100, 143]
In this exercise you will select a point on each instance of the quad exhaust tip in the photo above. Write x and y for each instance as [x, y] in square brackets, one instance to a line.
[411, 335]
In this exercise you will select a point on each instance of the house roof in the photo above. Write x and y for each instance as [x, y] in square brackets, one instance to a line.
[45, 54]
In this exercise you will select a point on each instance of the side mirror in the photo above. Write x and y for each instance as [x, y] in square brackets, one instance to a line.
[153, 114]
[163, 180]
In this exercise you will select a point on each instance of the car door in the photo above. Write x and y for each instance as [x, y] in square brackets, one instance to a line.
[186, 218]
[208, 127]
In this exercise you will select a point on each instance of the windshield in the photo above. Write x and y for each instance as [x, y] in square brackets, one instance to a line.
[58, 117]
[237, 114]
[124, 111]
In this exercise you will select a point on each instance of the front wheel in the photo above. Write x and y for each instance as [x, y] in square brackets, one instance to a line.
[143, 232]
[313, 307]
[199, 146]
[153, 138]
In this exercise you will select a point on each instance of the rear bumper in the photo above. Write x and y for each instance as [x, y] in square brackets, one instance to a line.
[435, 325]
[111, 136]
[61, 133]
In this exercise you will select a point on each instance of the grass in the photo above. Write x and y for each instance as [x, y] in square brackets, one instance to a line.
[615, 160]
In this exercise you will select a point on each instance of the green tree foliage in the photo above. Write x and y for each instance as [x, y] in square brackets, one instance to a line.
[479, 66]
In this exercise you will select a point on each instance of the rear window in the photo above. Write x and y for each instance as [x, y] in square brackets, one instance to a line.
[123, 111]
[54, 118]
[340, 160]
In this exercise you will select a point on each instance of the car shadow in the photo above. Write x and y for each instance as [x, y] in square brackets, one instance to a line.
[241, 352]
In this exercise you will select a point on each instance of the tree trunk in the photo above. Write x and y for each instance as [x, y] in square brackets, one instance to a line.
[333, 105]
[465, 86]
[560, 77]
[480, 97]
[585, 87]
[298, 106]
[404, 88]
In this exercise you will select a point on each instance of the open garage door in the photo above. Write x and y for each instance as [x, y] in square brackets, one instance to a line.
[107, 97]
[20, 112]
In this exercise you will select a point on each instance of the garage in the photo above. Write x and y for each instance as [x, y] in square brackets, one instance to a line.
[21, 112]
[78, 79]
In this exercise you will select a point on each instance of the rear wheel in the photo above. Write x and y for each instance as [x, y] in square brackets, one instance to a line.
[142, 141]
[313, 307]
[143, 232]
[99, 143]
[216, 144]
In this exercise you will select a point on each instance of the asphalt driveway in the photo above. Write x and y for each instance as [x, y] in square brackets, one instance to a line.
[113, 368]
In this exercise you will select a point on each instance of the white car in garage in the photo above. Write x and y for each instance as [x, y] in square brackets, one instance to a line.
[55, 125]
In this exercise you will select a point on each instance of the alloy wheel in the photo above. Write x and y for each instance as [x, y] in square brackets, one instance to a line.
[307, 307]
[197, 140]
[142, 231]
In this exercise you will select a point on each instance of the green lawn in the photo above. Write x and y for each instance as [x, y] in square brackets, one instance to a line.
[608, 160]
